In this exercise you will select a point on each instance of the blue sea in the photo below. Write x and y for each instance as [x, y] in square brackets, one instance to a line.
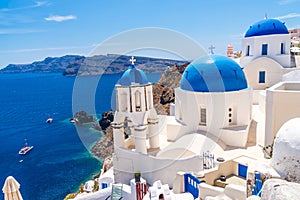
[60, 160]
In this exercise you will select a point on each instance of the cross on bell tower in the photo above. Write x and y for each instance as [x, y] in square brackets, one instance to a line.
[211, 48]
[132, 60]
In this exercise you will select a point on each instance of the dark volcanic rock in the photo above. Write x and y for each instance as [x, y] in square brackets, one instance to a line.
[104, 147]
[106, 119]
[163, 91]
[82, 117]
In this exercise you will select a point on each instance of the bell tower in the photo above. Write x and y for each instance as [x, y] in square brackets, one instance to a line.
[134, 99]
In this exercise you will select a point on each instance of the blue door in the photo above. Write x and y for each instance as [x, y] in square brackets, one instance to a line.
[243, 170]
[191, 184]
[104, 185]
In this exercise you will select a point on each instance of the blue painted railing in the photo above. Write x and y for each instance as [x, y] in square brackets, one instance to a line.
[257, 185]
[191, 185]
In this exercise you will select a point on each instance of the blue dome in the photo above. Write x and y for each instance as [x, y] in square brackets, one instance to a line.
[213, 74]
[133, 75]
[267, 27]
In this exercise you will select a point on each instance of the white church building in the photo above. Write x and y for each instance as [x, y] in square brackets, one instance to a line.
[225, 118]
[227, 109]
[212, 113]
[266, 47]
[266, 61]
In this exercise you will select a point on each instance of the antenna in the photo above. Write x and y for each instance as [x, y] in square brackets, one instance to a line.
[266, 15]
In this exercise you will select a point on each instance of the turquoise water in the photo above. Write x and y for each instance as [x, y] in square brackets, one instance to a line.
[60, 160]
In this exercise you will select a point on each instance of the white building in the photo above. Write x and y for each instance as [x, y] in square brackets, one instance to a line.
[212, 113]
[282, 104]
[137, 151]
[214, 99]
[220, 107]
[266, 61]
[266, 47]
[134, 101]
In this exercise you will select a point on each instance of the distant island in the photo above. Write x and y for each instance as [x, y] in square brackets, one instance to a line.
[72, 65]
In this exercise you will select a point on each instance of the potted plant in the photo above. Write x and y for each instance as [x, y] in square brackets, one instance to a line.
[137, 177]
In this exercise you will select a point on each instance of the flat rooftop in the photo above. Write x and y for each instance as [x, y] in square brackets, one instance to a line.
[286, 86]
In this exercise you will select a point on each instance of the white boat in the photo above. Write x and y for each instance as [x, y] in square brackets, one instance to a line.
[49, 120]
[25, 149]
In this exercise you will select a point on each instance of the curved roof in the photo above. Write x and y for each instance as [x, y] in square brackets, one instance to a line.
[133, 76]
[267, 27]
[213, 73]
[292, 76]
[190, 145]
[289, 134]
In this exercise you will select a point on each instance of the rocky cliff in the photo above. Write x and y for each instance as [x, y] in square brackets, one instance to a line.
[114, 64]
[49, 65]
[71, 65]
[163, 90]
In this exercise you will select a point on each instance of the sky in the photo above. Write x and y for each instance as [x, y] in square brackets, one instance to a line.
[32, 30]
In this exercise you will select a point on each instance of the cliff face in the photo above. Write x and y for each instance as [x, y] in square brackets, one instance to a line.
[163, 95]
[114, 64]
[104, 148]
[49, 65]
[163, 90]
[71, 65]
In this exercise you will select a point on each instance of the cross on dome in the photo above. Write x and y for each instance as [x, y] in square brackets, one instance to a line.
[132, 60]
[211, 48]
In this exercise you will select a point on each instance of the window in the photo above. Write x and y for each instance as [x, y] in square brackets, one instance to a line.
[248, 50]
[138, 101]
[123, 102]
[262, 77]
[203, 116]
[282, 50]
[264, 49]
[178, 109]
[149, 100]
[231, 116]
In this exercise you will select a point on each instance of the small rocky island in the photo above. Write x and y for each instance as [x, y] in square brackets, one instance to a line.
[82, 117]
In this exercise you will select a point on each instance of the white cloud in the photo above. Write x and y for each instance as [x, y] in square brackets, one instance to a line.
[35, 5]
[285, 2]
[60, 18]
[288, 16]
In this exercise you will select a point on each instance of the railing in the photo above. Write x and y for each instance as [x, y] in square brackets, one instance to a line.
[208, 160]
[191, 185]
